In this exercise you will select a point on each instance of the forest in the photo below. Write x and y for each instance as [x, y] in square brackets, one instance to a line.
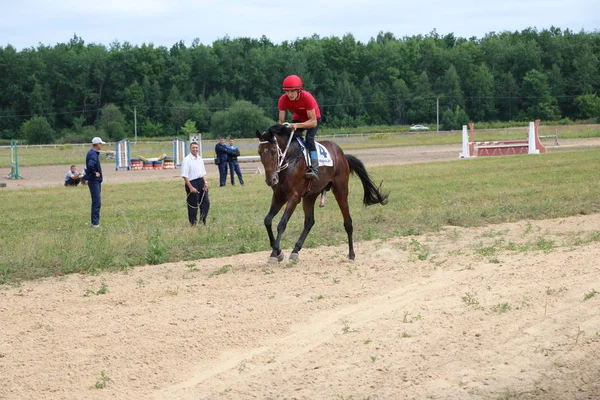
[70, 92]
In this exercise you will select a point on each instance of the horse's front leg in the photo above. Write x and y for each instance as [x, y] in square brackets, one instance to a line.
[275, 207]
[308, 204]
[277, 254]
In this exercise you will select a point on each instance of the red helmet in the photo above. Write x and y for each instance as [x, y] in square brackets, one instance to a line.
[292, 82]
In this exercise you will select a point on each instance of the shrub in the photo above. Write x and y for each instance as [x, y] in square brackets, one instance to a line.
[37, 131]
[242, 119]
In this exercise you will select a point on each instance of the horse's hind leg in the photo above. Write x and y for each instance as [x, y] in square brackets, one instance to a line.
[341, 195]
[308, 204]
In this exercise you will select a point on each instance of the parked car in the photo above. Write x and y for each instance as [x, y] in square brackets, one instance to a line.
[419, 128]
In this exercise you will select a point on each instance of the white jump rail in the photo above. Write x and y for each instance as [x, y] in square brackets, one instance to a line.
[471, 148]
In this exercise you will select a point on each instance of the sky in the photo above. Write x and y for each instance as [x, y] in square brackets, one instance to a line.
[28, 23]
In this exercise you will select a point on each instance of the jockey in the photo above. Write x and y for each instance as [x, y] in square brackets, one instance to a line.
[306, 115]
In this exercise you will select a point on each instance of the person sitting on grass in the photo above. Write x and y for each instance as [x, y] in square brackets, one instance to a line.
[73, 178]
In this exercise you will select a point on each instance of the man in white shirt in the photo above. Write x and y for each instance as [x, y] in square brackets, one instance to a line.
[196, 185]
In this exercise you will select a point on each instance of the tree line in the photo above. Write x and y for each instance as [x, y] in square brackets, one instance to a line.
[73, 91]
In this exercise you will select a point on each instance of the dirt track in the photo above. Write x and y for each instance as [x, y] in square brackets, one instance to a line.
[425, 317]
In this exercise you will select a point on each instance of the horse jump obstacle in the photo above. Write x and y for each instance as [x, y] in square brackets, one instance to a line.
[179, 151]
[251, 170]
[531, 145]
[122, 158]
[124, 161]
[14, 161]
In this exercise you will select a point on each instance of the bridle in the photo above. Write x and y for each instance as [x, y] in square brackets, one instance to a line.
[281, 163]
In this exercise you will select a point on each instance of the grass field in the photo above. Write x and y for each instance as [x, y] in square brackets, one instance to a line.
[30, 156]
[44, 232]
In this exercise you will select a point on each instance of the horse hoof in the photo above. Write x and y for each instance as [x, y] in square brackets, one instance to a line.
[294, 257]
[275, 260]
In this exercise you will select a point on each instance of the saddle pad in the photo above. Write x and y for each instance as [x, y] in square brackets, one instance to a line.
[322, 154]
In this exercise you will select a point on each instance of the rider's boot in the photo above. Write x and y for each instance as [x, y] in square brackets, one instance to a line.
[313, 171]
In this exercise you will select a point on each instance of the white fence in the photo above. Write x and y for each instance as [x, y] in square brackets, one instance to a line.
[247, 143]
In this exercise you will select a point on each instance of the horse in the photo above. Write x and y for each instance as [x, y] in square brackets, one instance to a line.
[285, 165]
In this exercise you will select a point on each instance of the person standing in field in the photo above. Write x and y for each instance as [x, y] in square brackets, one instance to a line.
[93, 176]
[306, 115]
[193, 173]
[222, 153]
[234, 165]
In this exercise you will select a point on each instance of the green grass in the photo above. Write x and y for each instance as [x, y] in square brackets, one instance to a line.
[470, 299]
[33, 156]
[223, 270]
[501, 308]
[102, 381]
[46, 232]
[348, 138]
[590, 294]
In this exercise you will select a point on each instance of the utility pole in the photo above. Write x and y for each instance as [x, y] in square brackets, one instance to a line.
[135, 123]
[438, 113]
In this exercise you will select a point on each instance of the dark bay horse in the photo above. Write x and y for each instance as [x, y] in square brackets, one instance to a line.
[285, 166]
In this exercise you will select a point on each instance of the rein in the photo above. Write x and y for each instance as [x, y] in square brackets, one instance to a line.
[281, 154]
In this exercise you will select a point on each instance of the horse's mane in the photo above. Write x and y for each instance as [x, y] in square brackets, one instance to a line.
[281, 130]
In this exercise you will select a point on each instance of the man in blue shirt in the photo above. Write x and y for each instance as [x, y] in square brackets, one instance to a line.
[234, 165]
[222, 152]
[93, 175]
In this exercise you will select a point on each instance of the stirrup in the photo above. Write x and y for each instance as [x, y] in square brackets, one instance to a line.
[311, 174]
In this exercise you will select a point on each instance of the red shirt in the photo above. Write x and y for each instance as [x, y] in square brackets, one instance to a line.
[305, 102]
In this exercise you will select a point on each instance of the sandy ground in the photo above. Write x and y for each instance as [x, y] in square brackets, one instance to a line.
[429, 317]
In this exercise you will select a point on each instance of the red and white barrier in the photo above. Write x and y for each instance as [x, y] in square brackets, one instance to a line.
[531, 145]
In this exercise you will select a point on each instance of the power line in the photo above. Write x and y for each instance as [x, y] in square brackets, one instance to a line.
[323, 105]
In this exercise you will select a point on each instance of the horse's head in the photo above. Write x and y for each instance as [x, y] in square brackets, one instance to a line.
[272, 143]
[268, 150]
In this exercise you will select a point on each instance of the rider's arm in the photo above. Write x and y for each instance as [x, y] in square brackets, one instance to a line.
[282, 116]
[311, 123]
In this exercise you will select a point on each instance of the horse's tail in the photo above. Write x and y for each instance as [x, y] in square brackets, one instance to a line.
[373, 194]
